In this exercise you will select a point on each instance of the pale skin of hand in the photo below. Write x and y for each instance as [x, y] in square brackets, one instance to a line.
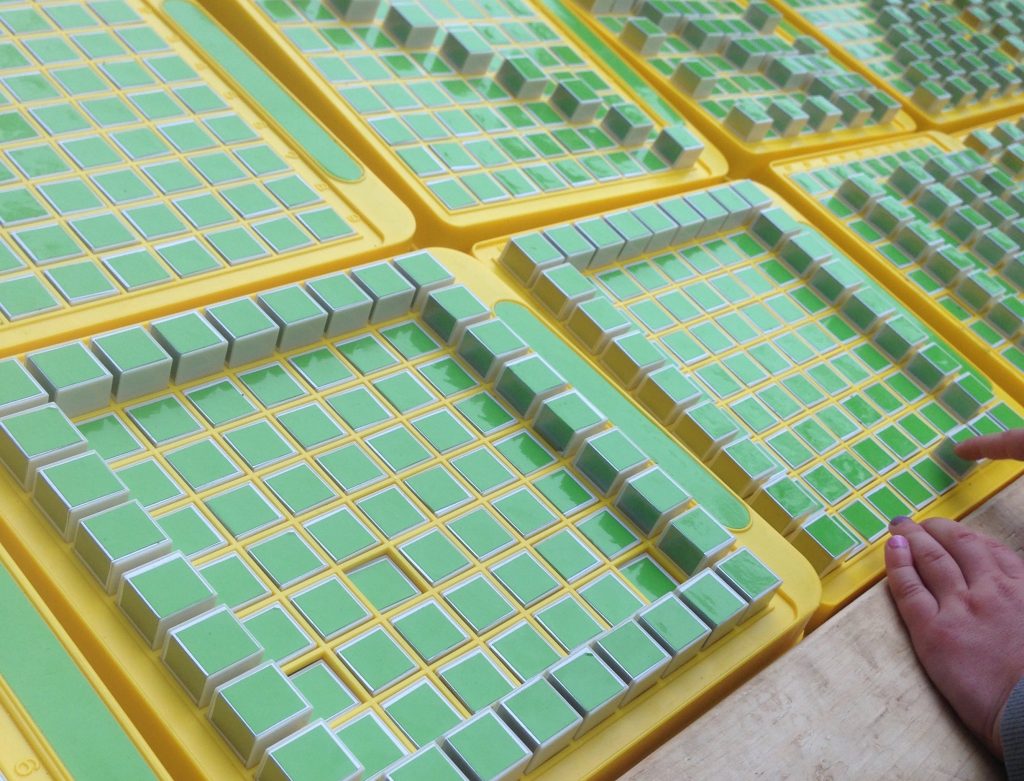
[961, 595]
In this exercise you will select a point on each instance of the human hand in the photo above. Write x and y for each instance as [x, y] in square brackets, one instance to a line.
[1005, 444]
[961, 595]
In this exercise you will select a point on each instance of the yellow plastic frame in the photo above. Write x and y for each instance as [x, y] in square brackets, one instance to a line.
[189, 747]
[745, 159]
[855, 576]
[435, 224]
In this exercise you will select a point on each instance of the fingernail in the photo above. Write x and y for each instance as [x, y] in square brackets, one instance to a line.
[900, 519]
[897, 541]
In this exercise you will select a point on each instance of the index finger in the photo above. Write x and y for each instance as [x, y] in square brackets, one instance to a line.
[1005, 444]
[913, 599]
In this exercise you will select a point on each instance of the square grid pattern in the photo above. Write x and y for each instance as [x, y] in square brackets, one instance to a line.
[747, 69]
[776, 361]
[943, 57]
[951, 221]
[378, 523]
[125, 163]
[484, 101]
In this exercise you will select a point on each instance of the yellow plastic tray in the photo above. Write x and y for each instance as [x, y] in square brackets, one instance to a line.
[862, 565]
[866, 50]
[179, 732]
[57, 720]
[745, 157]
[971, 334]
[406, 144]
[130, 146]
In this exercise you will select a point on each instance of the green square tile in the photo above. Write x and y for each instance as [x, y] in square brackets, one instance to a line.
[383, 584]
[442, 430]
[403, 391]
[524, 650]
[611, 598]
[437, 489]
[202, 464]
[149, 484]
[278, 633]
[341, 534]
[410, 340]
[189, 531]
[102, 232]
[371, 743]
[476, 680]
[447, 377]
[435, 556]
[564, 491]
[525, 578]
[310, 426]
[358, 408]
[163, 420]
[524, 511]
[430, 631]
[607, 533]
[242, 510]
[321, 368]
[350, 467]
[484, 412]
[109, 436]
[648, 578]
[481, 533]
[398, 448]
[299, 488]
[233, 581]
[482, 470]
[253, 704]
[287, 558]
[367, 354]
[525, 453]
[69, 196]
[376, 660]
[221, 402]
[329, 607]
[137, 269]
[323, 690]
[569, 623]
[272, 385]
[79, 282]
[479, 603]
[391, 511]
[23, 297]
[422, 713]
[171, 177]
[311, 752]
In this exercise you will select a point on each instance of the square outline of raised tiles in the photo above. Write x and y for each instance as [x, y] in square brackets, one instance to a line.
[130, 522]
[492, 117]
[156, 174]
[950, 67]
[941, 218]
[758, 88]
[801, 383]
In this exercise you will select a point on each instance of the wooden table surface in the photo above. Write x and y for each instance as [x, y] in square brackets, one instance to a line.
[849, 702]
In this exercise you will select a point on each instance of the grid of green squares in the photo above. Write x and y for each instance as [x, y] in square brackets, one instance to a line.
[939, 55]
[483, 102]
[768, 375]
[122, 167]
[951, 221]
[748, 69]
[369, 510]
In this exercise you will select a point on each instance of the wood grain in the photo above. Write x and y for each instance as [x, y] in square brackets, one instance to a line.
[850, 701]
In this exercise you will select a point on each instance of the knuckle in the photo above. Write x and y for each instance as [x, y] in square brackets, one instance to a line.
[930, 555]
[907, 589]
